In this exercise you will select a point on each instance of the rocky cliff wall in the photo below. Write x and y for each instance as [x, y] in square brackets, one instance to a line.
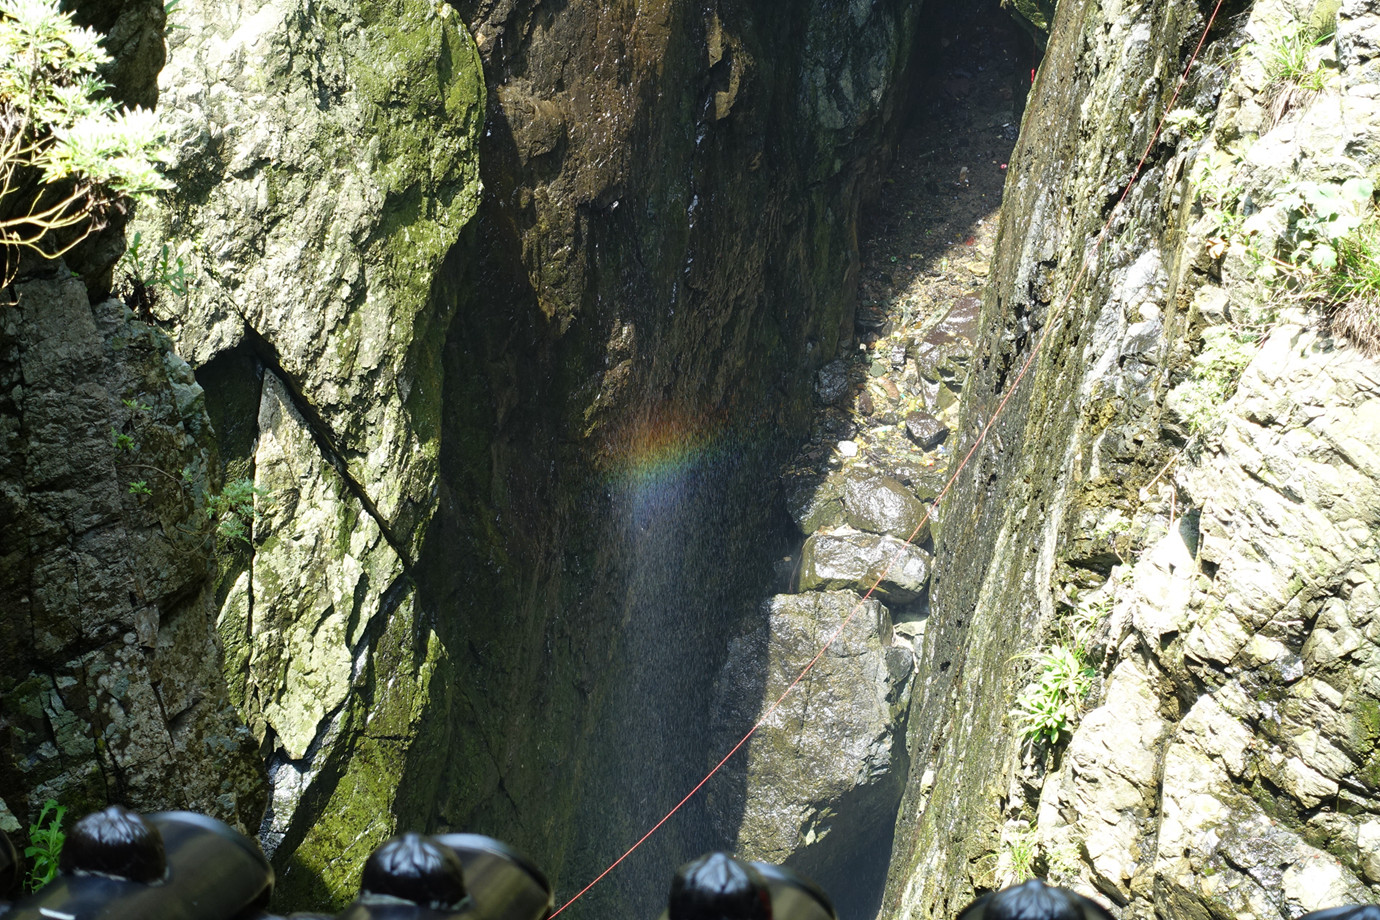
[108, 649]
[326, 166]
[109, 659]
[487, 548]
[1211, 559]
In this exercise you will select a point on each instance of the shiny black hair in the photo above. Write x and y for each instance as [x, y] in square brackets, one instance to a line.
[1034, 900]
[417, 869]
[718, 887]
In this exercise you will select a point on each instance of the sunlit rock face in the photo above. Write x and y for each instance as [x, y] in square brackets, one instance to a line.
[325, 157]
[1218, 563]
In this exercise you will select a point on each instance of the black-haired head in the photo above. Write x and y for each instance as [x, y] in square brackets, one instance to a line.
[115, 842]
[1034, 900]
[1349, 912]
[718, 887]
[417, 869]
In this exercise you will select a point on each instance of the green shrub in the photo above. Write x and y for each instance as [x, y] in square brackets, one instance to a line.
[1051, 702]
[147, 276]
[1331, 254]
[1021, 848]
[1354, 289]
[68, 156]
[45, 845]
[231, 511]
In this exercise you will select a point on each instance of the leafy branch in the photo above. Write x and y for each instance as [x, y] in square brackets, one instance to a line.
[68, 156]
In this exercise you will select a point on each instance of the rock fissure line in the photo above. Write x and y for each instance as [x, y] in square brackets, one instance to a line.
[320, 432]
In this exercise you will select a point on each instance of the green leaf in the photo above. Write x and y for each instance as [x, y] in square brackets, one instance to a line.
[1323, 258]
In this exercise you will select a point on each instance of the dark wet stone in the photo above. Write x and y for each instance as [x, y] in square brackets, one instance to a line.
[836, 428]
[836, 561]
[879, 504]
[942, 355]
[831, 382]
[816, 506]
[925, 430]
[924, 482]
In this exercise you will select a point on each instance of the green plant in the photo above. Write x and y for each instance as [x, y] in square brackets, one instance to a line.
[68, 156]
[1218, 189]
[1293, 67]
[1213, 376]
[1050, 702]
[1084, 622]
[232, 511]
[1354, 289]
[120, 440]
[45, 845]
[1064, 862]
[1332, 254]
[146, 276]
[1324, 219]
[1021, 848]
[140, 488]
[1187, 122]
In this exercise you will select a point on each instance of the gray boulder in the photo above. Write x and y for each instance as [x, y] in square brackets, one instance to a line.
[851, 560]
[879, 504]
[820, 810]
[925, 430]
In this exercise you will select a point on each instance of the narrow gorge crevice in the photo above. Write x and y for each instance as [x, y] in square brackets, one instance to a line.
[590, 362]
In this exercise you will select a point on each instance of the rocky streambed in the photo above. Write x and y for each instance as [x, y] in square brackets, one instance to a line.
[820, 784]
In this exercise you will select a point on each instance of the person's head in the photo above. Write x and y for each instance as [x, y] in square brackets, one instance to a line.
[1034, 900]
[718, 887]
[115, 842]
[417, 869]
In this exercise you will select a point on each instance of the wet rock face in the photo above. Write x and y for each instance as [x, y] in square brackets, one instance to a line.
[827, 812]
[880, 504]
[328, 152]
[109, 660]
[668, 251]
[1224, 764]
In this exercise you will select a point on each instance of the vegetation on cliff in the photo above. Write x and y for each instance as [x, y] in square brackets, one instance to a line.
[68, 154]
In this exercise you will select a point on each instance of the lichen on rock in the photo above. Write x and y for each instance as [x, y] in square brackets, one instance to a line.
[111, 664]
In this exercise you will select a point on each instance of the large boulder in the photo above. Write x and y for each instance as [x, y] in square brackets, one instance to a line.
[822, 777]
[850, 560]
[876, 503]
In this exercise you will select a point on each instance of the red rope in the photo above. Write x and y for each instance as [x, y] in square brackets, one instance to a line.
[982, 436]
